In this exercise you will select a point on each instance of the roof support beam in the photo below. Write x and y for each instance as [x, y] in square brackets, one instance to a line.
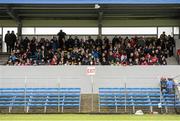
[179, 32]
[13, 15]
[100, 19]
[19, 32]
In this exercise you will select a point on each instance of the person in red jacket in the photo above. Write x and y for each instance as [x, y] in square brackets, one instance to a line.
[154, 59]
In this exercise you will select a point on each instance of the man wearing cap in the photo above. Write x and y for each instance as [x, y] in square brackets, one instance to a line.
[163, 84]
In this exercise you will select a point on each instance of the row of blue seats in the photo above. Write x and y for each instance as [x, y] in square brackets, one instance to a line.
[38, 94]
[134, 100]
[34, 97]
[153, 97]
[129, 94]
[38, 100]
[34, 90]
[39, 105]
[129, 89]
[138, 105]
[47, 89]
[117, 97]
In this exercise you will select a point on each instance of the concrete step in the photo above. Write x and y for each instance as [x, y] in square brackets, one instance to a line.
[3, 58]
[172, 61]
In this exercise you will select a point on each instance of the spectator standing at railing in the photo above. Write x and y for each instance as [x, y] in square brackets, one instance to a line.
[115, 41]
[8, 41]
[61, 38]
[13, 40]
[163, 84]
[163, 36]
[170, 85]
[171, 45]
[33, 46]
[76, 42]
[24, 43]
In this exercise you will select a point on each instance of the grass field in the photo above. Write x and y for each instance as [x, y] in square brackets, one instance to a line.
[86, 117]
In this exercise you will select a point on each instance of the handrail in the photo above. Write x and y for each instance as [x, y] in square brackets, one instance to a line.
[176, 97]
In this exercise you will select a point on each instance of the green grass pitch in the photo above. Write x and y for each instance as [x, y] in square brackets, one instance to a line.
[86, 117]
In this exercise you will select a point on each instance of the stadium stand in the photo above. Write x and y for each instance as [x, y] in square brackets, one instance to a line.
[135, 97]
[40, 97]
[75, 51]
[95, 34]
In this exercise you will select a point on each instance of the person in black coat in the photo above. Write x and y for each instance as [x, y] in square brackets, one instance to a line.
[98, 42]
[8, 41]
[61, 37]
[70, 43]
[77, 42]
[115, 41]
[171, 45]
[33, 46]
[13, 40]
[24, 43]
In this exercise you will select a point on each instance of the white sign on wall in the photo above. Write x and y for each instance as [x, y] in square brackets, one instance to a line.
[91, 70]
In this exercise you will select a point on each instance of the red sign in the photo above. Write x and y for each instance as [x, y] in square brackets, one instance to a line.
[90, 71]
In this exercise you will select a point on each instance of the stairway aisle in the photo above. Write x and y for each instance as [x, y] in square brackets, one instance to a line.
[172, 61]
[3, 58]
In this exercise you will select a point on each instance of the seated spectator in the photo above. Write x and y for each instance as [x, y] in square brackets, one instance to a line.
[54, 60]
[12, 57]
[104, 61]
[54, 43]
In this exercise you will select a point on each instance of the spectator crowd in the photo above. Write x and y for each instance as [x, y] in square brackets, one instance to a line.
[77, 51]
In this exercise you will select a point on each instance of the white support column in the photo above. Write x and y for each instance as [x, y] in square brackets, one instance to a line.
[62, 108]
[45, 107]
[166, 108]
[151, 109]
[125, 86]
[133, 105]
[116, 104]
[80, 103]
[27, 109]
[92, 95]
[25, 98]
[10, 108]
[58, 95]
[99, 104]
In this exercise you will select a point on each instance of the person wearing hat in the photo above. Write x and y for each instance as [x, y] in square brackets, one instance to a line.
[170, 85]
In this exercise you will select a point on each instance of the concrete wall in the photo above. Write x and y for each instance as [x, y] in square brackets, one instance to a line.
[75, 76]
[93, 23]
